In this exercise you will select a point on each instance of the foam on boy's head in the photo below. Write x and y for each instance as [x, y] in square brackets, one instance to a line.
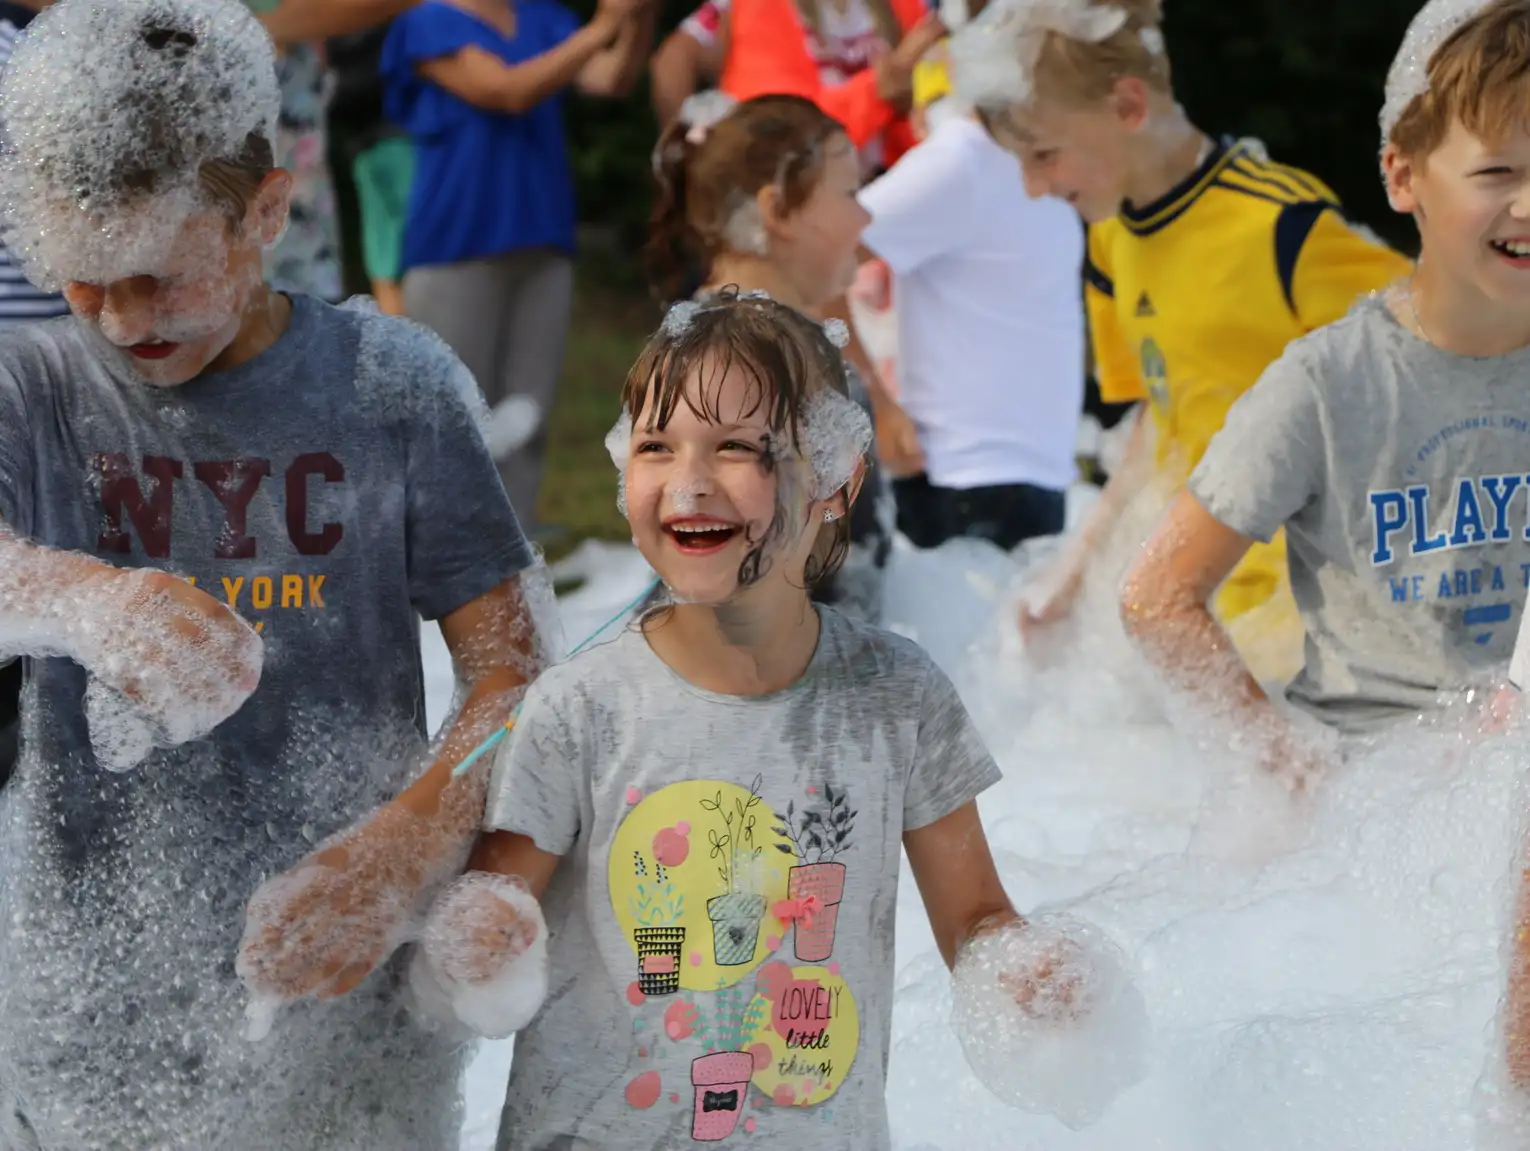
[1016, 51]
[1460, 60]
[112, 111]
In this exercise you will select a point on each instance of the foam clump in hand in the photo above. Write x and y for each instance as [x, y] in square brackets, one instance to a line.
[1049, 1019]
[108, 102]
[483, 956]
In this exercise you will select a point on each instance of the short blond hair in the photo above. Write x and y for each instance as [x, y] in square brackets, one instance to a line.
[1077, 73]
[1479, 77]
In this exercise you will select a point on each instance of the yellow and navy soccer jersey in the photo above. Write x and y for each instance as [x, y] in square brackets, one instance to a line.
[1192, 297]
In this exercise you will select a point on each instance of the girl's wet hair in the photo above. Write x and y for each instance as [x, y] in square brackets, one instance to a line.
[785, 356]
[767, 142]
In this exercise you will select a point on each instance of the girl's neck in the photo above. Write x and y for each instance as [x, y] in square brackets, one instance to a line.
[1456, 317]
[1166, 152]
[750, 273]
[751, 648]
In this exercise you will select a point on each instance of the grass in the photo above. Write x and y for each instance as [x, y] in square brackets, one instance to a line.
[611, 321]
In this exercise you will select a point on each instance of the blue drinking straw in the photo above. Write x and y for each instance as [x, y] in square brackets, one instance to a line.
[489, 744]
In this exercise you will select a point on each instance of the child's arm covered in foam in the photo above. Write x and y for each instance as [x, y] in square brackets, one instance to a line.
[483, 954]
[321, 928]
[1261, 469]
[181, 657]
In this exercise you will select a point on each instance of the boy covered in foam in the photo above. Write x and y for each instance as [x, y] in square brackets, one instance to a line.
[1390, 446]
[190, 448]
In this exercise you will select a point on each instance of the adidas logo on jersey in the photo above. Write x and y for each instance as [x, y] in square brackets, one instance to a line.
[1145, 306]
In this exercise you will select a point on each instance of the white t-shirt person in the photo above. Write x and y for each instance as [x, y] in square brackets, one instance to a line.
[990, 317]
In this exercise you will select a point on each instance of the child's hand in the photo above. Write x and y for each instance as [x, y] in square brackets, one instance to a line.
[1503, 706]
[1049, 600]
[895, 71]
[477, 928]
[1047, 986]
[321, 928]
[181, 656]
[483, 956]
[1048, 1016]
[898, 449]
[873, 285]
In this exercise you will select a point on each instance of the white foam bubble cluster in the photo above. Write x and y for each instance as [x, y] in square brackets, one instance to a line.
[993, 57]
[1408, 78]
[107, 101]
[619, 441]
[701, 110]
[1049, 1019]
[619, 447]
[121, 736]
[483, 956]
[835, 434]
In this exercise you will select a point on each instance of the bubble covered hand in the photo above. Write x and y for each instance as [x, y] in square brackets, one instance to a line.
[1050, 984]
[321, 928]
[183, 660]
[480, 924]
[483, 955]
[1048, 1018]
[898, 443]
[1050, 599]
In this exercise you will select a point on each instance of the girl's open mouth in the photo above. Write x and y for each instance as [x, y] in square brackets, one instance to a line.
[700, 537]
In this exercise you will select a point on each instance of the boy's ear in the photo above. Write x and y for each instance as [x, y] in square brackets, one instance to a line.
[270, 207]
[1399, 171]
[1130, 101]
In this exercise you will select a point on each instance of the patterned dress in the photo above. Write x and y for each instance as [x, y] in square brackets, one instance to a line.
[307, 257]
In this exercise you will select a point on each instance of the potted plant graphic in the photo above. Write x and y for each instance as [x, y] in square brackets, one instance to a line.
[814, 888]
[721, 1076]
[657, 906]
[736, 915]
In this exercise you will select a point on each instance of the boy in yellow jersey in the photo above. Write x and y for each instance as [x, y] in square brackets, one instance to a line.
[1205, 258]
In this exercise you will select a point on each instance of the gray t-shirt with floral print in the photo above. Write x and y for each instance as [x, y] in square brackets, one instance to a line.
[722, 923]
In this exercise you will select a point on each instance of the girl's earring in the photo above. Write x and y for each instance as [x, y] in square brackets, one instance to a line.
[828, 516]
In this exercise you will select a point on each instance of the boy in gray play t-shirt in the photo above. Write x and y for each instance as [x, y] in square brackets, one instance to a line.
[1394, 445]
[1404, 504]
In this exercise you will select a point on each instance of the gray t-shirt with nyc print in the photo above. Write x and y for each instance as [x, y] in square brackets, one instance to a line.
[722, 925]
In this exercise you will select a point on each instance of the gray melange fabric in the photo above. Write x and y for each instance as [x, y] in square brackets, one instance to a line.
[334, 489]
[1401, 474]
[722, 923]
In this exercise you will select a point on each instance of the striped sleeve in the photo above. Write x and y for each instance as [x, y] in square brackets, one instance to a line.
[21, 301]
